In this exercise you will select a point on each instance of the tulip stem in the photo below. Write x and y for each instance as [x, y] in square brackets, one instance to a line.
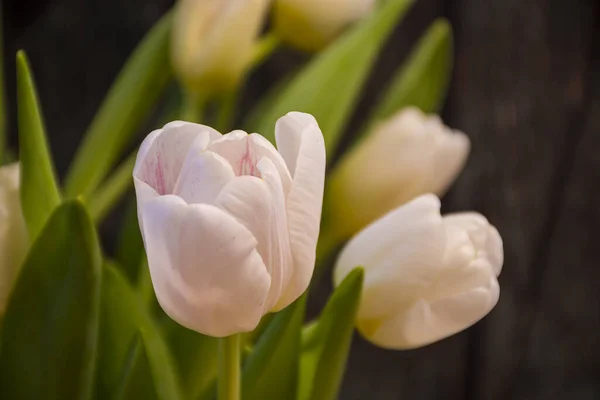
[264, 48]
[229, 368]
[330, 240]
[110, 192]
[193, 107]
[226, 111]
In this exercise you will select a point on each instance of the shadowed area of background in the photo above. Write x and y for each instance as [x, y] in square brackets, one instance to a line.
[525, 88]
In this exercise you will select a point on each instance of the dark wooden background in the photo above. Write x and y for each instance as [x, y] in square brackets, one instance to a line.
[526, 89]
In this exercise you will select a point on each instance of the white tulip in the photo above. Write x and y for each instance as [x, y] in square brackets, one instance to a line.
[406, 156]
[230, 224]
[13, 233]
[427, 277]
[311, 24]
[213, 41]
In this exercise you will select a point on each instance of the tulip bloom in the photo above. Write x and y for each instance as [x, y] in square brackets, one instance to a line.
[312, 24]
[13, 233]
[230, 224]
[213, 41]
[409, 155]
[427, 277]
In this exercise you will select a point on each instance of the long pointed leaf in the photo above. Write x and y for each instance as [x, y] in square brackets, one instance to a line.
[423, 79]
[48, 344]
[330, 85]
[133, 95]
[39, 192]
[195, 356]
[325, 354]
[122, 316]
[271, 371]
[137, 381]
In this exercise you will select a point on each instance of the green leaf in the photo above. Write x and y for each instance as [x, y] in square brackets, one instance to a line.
[131, 98]
[196, 357]
[329, 86]
[130, 247]
[39, 192]
[48, 344]
[327, 344]
[271, 371]
[424, 78]
[137, 381]
[122, 316]
[111, 191]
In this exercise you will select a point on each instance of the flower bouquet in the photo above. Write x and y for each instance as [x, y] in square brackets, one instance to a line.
[205, 294]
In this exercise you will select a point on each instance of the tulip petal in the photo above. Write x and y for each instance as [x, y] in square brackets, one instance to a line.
[452, 150]
[259, 204]
[163, 153]
[243, 152]
[425, 321]
[484, 236]
[301, 144]
[205, 268]
[202, 178]
[401, 252]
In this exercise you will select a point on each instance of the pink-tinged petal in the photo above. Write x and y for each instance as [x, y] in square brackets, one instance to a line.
[301, 144]
[259, 205]
[265, 149]
[163, 153]
[206, 271]
[202, 178]
[243, 152]
[282, 269]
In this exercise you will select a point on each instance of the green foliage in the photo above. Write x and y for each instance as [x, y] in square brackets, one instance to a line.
[129, 101]
[195, 356]
[123, 315]
[324, 355]
[48, 343]
[329, 86]
[137, 380]
[39, 191]
[423, 79]
[271, 370]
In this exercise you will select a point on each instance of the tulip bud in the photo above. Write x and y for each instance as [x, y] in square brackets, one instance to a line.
[427, 277]
[310, 25]
[213, 42]
[13, 233]
[402, 158]
[230, 224]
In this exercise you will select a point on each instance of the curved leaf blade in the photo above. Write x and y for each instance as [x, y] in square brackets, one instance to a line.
[271, 370]
[122, 316]
[48, 343]
[423, 80]
[39, 191]
[137, 381]
[329, 86]
[133, 95]
[326, 347]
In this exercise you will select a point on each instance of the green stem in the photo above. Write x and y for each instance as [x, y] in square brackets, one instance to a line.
[193, 107]
[110, 192]
[226, 111]
[229, 368]
[264, 48]
[329, 241]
